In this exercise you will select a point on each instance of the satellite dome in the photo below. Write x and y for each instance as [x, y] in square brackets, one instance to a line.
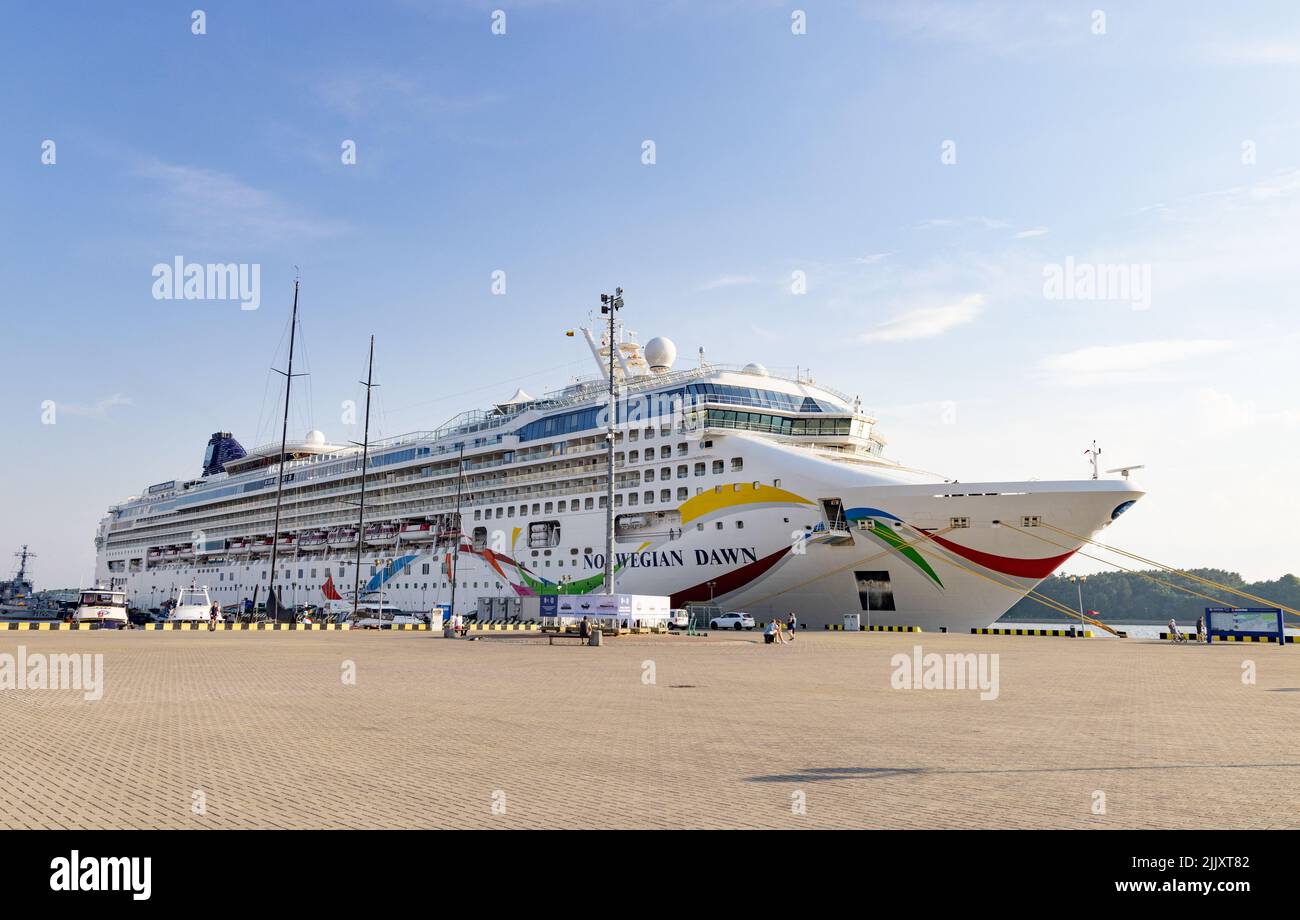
[756, 369]
[660, 353]
[315, 438]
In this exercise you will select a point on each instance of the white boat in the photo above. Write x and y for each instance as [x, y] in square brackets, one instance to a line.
[192, 605]
[752, 489]
[313, 541]
[418, 532]
[103, 606]
[381, 535]
[342, 537]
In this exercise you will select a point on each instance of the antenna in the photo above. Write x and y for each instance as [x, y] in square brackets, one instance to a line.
[1095, 455]
[1125, 470]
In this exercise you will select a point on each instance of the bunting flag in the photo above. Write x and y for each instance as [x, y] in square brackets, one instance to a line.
[331, 593]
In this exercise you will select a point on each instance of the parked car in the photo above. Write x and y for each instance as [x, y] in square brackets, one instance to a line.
[678, 618]
[735, 620]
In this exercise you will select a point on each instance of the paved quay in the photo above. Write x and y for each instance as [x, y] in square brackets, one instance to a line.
[234, 730]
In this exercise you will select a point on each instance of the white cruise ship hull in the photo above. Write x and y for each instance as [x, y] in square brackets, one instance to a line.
[796, 531]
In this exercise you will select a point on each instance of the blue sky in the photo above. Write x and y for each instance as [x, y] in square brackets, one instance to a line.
[1169, 141]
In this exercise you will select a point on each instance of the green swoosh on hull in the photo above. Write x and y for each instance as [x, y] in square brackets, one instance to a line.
[885, 535]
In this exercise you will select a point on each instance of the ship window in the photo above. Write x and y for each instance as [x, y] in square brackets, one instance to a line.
[634, 456]
[666, 473]
[777, 483]
[618, 501]
[666, 495]
[478, 515]
[958, 522]
[699, 526]
[649, 498]
[510, 512]
[683, 494]
[424, 569]
[718, 466]
[633, 435]
[633, 498]
[718, 525]
[682, 471]
[587, 504]
[649, 433]
[1029, 520]
[682, 448]
[699, 469]
[603, 501]
[550, 506]
[737, 464]
[740, 525]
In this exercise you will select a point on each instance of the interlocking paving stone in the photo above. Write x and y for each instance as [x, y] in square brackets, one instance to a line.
[264, 727]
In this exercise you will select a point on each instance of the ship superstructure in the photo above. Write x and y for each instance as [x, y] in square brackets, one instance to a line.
[758, 491]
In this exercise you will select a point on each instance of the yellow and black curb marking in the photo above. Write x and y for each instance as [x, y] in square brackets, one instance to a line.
[506, 627]
[990, 631]
[1191, 637]
[837, 627]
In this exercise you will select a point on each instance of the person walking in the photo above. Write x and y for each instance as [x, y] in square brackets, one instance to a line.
[212, 617]
[1174, 634]
[584, 631]
[1201, 636]
[792, 623]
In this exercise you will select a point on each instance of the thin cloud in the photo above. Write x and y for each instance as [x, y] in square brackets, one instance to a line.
[927, 322]
[939, 223]
[367, 92]
[728, 281]
[1254, 52]
[872, 258]
[209, 201]
[1129, 361]
[1031, 232]
[98, 409]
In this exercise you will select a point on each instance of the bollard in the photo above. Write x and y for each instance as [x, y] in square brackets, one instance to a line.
[595, 636]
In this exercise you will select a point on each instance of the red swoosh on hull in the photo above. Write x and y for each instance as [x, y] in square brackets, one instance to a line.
[725, 584]
[1007, 565]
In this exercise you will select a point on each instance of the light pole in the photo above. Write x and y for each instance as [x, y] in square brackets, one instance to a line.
[610, 304]
[1078, 584]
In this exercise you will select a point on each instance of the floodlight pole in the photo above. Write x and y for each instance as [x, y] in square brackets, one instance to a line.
[610, 304]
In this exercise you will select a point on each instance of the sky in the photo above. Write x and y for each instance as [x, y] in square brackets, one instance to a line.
[908, 198]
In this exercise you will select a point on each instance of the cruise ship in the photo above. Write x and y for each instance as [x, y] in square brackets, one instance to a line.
[749, 489]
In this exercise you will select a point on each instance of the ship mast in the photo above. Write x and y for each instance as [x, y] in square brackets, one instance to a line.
[23, 556]
[365, 459]
[284, 435]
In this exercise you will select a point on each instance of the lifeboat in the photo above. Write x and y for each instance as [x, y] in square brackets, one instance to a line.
[287, 541]
[315, 540]
[155, 554]
[342, 538]
[381, 534]
[237, 545]
[260, 544]
[418, 532]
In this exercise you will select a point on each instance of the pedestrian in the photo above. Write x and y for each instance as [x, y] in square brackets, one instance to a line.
[1174, 634]
[792, 623]
[769, 634]
[584, 631]
[212, 617]
[1201, 631]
